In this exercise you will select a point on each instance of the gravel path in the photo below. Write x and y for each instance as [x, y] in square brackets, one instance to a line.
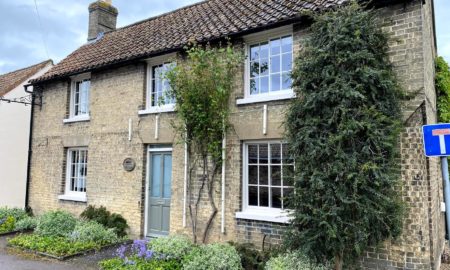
[16, 260]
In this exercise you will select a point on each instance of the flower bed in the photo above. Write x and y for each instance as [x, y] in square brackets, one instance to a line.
[9, 218]
[173, 253]
[59, 235]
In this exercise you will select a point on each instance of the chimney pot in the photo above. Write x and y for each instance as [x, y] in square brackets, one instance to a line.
[102, 18]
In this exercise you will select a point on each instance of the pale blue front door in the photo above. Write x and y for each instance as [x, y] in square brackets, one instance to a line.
[160, 184]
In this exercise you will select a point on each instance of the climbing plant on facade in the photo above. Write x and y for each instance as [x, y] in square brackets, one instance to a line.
[201, 84]
[343, 130]
[443, 89]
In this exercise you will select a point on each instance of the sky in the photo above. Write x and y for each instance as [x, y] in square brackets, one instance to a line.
[26, 40]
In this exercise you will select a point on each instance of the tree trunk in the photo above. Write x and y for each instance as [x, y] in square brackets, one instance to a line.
[338, 261]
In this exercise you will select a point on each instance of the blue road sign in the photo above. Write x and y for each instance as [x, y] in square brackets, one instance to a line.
[436, 140]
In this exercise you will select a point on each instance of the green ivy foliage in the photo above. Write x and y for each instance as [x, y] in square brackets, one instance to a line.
[343, 129]
[443, 89]
[201, 85]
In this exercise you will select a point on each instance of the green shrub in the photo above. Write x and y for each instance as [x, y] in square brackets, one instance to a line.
[7, 224]
[54, 245]
[251, 258]
[56, 223]
[92, 231]
[141, 264]
[213, 257]
[293, 260]
[16, 213]
[175, 246]
[104, 217]
[28, 223]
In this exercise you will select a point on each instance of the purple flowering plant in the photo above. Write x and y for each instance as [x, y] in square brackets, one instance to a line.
[138, 250]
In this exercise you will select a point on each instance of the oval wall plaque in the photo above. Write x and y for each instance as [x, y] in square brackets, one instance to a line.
[129, 164]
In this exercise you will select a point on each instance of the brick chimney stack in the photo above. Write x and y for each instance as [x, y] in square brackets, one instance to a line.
[102, 18]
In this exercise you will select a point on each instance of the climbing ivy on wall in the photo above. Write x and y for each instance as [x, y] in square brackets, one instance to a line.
[343, 130]
[443, 89]
[201, 84]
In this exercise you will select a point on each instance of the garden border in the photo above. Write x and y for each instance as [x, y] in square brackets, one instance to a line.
[15, 232]
[63, 258]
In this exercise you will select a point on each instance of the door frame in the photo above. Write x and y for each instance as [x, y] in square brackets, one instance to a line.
[151, 150]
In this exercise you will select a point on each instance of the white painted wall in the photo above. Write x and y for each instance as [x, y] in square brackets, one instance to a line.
[14, 136]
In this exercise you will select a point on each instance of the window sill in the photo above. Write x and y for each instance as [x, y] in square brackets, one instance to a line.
[75, 198]
[77, 119]
[270, 215]
[159, 109]
[289, 94]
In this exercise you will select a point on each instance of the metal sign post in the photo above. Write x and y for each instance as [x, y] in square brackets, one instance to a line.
[436, 142]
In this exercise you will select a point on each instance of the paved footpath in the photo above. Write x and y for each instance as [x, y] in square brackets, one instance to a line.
[15, 260]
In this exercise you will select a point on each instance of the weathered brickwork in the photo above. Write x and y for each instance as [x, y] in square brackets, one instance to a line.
[263, 234]
[118, 94]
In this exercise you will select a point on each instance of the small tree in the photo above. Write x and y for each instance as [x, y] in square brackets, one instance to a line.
[443, 89]
[201, 85]
[343, 130]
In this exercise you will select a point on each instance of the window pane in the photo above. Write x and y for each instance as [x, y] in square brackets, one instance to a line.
[275, 82]
[286, 60]
[264, 196]
[254, 52]
[253, 154]
[286, 193]
[264, 50]
[275, 46]
[167, 176]
[254, 68]
[286, 155]
[276, 175]
[263, 175]
[276, 197]
[264, 66]
[287, 81]
[253, 196]
[253, 175]
[286, 44]
[156, 176]
[275, 153]
[288, 175]
[264, 87]
[254, 89]
[275, 64]
[263, 155]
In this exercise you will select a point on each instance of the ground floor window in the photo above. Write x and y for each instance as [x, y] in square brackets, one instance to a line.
[76, 171]
[267, 168]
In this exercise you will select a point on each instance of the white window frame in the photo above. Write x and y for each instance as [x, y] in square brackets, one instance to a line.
[260, 213]
[68, 194]
[257, 38]
[72, 116]
[155, 61]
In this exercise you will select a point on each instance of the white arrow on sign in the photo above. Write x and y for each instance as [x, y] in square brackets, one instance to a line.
[441, 133]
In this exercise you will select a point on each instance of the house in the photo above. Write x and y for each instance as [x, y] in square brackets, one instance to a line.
[101, 137]
[14, 132]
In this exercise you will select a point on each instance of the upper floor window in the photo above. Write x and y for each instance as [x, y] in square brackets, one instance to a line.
[270, 65]
[157, 94]
[160, 86]
[79, 98]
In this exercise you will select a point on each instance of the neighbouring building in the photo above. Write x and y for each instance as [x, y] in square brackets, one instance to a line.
[102, 137]
[14, 132]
